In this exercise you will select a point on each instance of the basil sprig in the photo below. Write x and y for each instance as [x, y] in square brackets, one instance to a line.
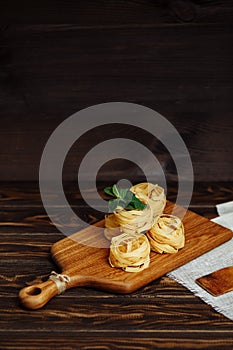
[123, 198]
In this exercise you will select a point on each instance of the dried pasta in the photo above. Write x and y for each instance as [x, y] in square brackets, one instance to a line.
[167, 234]
[137, 221]
[155, 196]
[130, 252]
[112, 228]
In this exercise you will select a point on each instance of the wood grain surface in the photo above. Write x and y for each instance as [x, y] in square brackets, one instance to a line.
[161, 315]
[172, 56]
[218, 282]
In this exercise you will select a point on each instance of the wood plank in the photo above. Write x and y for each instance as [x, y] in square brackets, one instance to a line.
[91, 14]
[22, 211]
[16, 195]
[190, 89]
[157, 313]
[162, 339]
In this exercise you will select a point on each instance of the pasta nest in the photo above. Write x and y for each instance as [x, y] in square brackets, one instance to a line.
[155, 195]
[112, 227]
[137, 221]
[130, 252]
[167, 234]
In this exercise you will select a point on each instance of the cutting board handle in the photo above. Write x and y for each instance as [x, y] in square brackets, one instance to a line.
[37, 295]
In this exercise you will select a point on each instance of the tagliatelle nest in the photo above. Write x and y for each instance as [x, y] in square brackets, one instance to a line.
[135, 221]
[167, 234]
[155, 196]
[130, 252]
[131, 221]
[112, 228]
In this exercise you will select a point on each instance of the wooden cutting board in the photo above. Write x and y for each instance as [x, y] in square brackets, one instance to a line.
[88, 266]
[218, 282]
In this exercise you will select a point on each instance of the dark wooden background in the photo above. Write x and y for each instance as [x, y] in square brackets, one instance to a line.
[58, 57]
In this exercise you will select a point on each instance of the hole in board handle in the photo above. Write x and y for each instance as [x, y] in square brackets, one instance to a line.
[34, 291]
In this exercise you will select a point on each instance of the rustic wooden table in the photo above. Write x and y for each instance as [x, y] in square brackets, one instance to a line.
[162, 315]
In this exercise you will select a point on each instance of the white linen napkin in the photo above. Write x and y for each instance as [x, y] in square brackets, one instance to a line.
[217, 258]
[225, 212]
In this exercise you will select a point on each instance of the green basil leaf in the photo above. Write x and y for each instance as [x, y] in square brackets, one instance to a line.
[108, 190]
[111, 206]
[130, 207]
[137, 203]
[115, 191]
[113, 203]
[124, 198]
[123, 193]
[129, 195]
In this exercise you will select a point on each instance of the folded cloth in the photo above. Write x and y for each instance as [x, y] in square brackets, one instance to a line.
[225, 208]
[225, 220]
[214, 260]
